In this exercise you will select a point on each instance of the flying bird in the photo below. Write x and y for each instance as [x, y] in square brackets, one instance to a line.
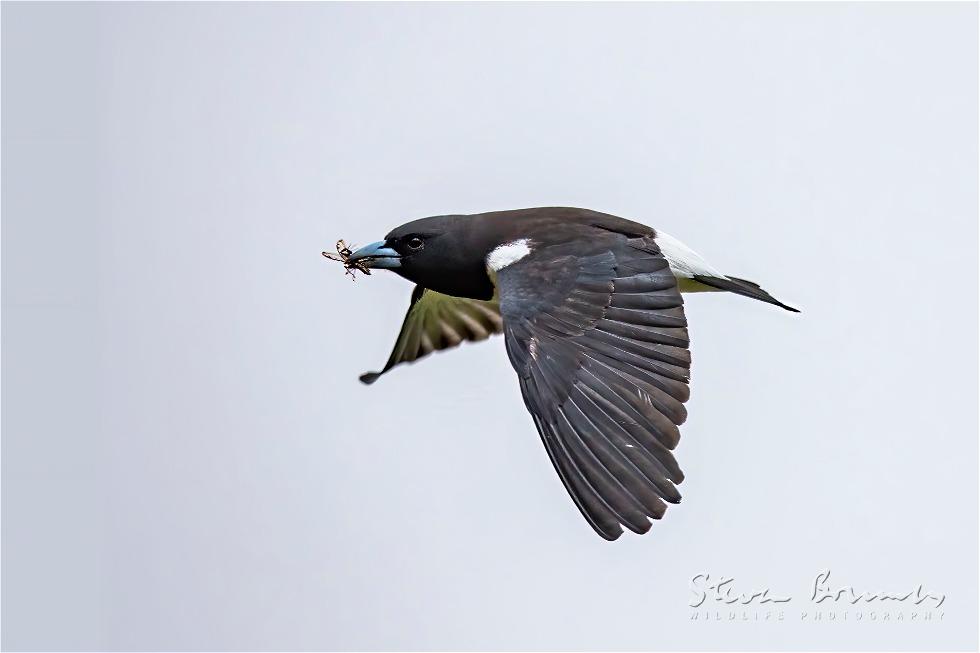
[593, 321]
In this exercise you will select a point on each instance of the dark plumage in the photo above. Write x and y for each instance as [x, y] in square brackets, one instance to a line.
[590, 306]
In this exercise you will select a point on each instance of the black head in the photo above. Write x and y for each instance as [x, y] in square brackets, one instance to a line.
[445, 253]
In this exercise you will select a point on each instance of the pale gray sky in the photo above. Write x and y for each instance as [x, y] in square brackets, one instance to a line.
[189, 461]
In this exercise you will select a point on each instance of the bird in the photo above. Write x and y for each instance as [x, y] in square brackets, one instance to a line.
[593, 320]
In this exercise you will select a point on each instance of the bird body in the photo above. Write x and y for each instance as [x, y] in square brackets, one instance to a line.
[591, 309]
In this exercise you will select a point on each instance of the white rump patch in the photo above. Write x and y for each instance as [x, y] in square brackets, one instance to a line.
[508, 253]
[684, 262]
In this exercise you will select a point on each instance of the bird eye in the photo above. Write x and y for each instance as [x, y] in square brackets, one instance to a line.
[415, 242]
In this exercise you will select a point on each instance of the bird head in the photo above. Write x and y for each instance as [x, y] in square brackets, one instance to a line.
[445, 253]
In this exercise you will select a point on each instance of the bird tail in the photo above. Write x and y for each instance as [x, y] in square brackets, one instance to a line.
[743, 287]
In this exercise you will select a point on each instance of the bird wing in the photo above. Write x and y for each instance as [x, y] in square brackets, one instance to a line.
[435, 321]
[599, 342]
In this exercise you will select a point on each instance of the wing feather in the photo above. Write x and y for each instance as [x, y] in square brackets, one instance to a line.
[435, 322]
[600, 345]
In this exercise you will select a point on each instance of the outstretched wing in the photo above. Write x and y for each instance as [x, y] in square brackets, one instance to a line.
[599, 342]
[435, 321]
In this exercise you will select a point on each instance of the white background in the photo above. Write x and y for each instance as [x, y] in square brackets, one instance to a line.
[189, 461]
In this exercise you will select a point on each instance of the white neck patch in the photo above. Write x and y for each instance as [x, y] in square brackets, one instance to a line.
[504, 255]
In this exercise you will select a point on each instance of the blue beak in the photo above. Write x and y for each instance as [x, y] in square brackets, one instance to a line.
[376, 255]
